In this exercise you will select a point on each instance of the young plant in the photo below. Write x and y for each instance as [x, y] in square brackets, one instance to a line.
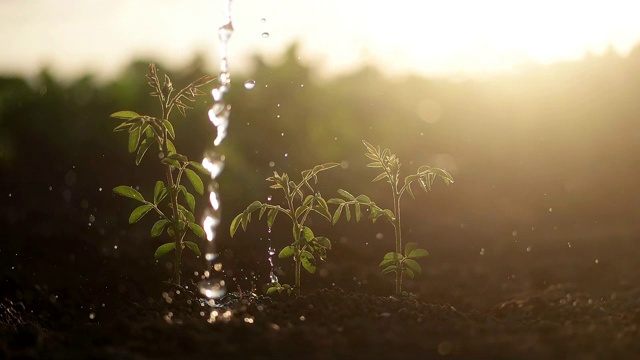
[397, 262]
[306, 245]
[145, 132]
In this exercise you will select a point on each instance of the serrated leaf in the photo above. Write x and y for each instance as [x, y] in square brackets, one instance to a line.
[195, 181]
[409, 248]
[308, 261]
[272, 217]
[336, 215]
[418, 253]
[413, 265]
[134, 139]
[139, 212]
[126, 114]
[388, 269]
[196, 165]
[197, 230]
[235, 223]
[167, 124]
[129, 192]
[286, 252]
[164, 249]
[193, 247]
[346, 194]
[158, 227]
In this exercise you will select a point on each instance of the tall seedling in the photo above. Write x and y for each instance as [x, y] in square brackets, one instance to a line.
[146, 132]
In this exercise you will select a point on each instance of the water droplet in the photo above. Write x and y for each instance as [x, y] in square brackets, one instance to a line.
[286, 154]
[265, 35]
[217, 267]
[269, 198]
[115, 247]
[225, 32]
[213, 289]
[550, 209]
[99, 189]
[272, 164]
[528, 248]
[210, 256]
[597, 261]
[281, 134]
[213, 162]
[50, 188]
[92, 316]
[263, 20]
[92, 218]
[482, 252]
[249, 84]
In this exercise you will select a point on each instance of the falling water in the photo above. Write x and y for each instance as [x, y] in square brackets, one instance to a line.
[211, 286]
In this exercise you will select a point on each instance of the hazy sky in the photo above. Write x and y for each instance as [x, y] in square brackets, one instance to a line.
[434, 37]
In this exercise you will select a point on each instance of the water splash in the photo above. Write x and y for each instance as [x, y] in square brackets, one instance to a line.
[219, 113]
[272, 251]
[249, 84]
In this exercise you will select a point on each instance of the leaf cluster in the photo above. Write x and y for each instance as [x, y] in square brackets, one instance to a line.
[406, 262]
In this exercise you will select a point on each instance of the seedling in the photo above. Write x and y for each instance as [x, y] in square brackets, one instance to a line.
[396, 261]
[176, 214]
[306, 245]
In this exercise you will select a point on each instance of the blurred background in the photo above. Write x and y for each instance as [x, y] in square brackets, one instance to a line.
[531, 105]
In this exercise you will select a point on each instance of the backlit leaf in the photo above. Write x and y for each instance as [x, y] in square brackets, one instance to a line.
[388, 269]
[167, 124]
[308, 261]
[235, 223]
[164, 249]
[413, 265]
[346, 194]
[134, 139]
[193, 247]
[129, 192]
[336, 215]
[139, 212]
[144, 146]
[409, 273]
[125, 115]
[272, 216]
[196, 229]
[418, 253]
[324, 242]
[195, 181]
[286, 252]
[307, 234]
[158, 227]
[409, 248]
[196, 165]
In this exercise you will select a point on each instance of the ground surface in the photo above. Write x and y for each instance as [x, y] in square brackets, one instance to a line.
[547, 303]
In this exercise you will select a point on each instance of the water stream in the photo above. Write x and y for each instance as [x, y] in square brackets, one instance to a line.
[211, 286]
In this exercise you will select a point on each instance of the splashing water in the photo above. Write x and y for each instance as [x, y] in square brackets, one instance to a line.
[214, 162]
[272, 251]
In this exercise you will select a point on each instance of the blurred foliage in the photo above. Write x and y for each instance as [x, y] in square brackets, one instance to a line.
[550, 152]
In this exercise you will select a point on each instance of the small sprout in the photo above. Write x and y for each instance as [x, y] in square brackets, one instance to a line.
[306, 245]
[393, 262]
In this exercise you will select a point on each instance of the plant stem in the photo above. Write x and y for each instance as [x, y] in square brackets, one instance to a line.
[398, 232]
[296, 237]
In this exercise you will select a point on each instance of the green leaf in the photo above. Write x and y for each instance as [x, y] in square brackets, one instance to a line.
[272, 216]
[129, 192]
[167, 124]
[307, 200]
[139, 212]
[196, 229]
[418, 253]
[194, 247]
[385, 263]
[392, 256]
[163, 249]
[171, 162]
[388, 269]
[346, 194]
[413, 265]
[134, 139]
[409, 273]
[358, 211]
[409, 248]
[324, 242]
[157, 191]
[191, 200]
[124, 115]
[364, 199]
[272, 290]
[347, 212]
[286, 252]
[308, 261]
[307, 234]
[187, 214]
[336, 215]
[122, 127]
[380, 177]
[144, 146]
[375, 164]
[196, 165]
[336, 201]
[253, 207]
[195, 181]
[158, 227]
[235, 223]
[369, 147]
[178, 157]
[170, 147]
[323, 211]
[299, 211]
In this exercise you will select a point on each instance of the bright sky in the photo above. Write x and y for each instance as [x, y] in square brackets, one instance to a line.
[444, 37]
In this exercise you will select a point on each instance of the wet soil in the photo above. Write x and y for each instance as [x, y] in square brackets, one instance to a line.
[545, 303]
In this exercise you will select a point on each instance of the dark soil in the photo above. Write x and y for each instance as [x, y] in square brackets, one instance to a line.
[550, 302]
